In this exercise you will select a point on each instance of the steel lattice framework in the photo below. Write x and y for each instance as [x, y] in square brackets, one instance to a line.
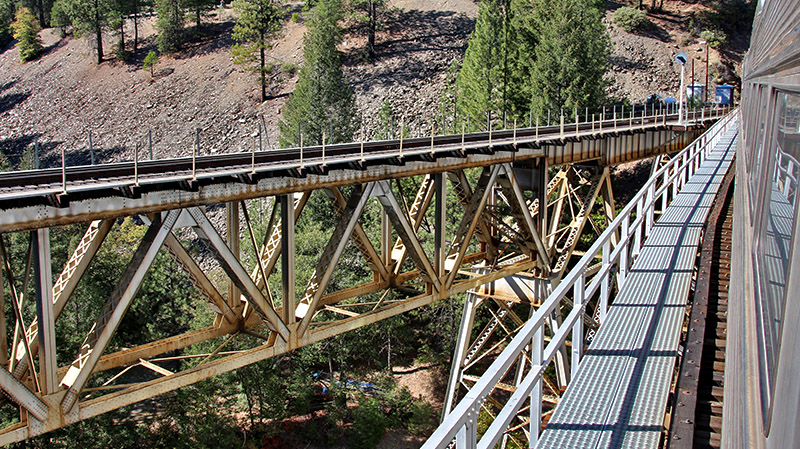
[516, 220]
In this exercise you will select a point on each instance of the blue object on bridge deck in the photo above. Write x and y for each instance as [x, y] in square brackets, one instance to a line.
[724, 94]
[618, 398]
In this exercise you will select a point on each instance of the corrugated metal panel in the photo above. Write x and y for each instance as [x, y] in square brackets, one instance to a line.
[619, 396]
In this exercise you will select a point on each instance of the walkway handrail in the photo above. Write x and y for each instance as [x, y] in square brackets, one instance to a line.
[461, 423]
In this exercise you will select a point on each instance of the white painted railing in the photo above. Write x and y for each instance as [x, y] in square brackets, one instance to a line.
[616, 254]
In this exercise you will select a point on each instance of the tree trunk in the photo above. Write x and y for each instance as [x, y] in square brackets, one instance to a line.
[371, 30]
[99, 37]
[136, 26]
[40, 7]
[122, 35]
[197, 16]
[263, 75]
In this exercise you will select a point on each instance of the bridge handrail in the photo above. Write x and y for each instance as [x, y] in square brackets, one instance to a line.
[461, 423]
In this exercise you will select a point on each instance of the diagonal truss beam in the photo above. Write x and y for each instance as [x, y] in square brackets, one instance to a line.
[309, 304]
[360, 238]
[416, 213]
[517, 202]
[406, 232]
[470, 220]
[122, 296]
[237, 273]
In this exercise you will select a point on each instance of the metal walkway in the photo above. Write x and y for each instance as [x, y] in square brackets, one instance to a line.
[619, 396]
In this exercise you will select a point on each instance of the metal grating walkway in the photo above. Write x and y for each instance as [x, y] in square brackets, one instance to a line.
[619, 396]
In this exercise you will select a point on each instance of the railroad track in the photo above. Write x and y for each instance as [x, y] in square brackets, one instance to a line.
[131, 179]
[696, 420]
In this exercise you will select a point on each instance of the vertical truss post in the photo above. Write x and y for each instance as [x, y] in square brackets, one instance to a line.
[45, 313]
[287, 258]
[232, 223]
[440, 188]
[460, 351]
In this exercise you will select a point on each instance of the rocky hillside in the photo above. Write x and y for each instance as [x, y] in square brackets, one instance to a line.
[63, 97]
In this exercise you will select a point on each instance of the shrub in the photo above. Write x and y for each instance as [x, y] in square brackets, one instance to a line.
[295, 17]
[631, 19]
[26, 32]
[289, 68]
[369, 425]
[150, 62]
[715, 38]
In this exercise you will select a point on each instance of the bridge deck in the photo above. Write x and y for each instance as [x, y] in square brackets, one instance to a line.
[618, 397]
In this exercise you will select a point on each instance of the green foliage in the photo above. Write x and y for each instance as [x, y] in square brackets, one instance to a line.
[322, 100]
[199, 8]
[59, 16]
[715, 38]
[728, 16]
[295, 17]
[6, 17]
[170, 25]
[369, 425]
[40, 9]
[150, 62]
[631, 19]
[389, 123]
[570, 58]
[423, 419]
[289, 68]
[258, 22]
[88, 18]
[26, 32]
[485, 79]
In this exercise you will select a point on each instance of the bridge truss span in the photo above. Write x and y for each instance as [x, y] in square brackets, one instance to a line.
[486, 207]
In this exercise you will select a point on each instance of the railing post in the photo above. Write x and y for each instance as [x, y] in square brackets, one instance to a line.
[467, 437]
[637, 242]
[623, 257]
[604, 284]
[577, 328]
[537, 354]
[651, 201]
[665, 192]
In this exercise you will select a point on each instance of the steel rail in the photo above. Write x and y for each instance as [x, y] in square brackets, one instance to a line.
[271, 163]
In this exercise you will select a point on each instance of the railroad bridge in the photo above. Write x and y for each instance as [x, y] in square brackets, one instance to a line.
[621, 345]
[525, 194]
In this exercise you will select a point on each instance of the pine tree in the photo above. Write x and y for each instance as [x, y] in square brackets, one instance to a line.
[369, 12]
[197, 7]
[26, 32]
[322, 102]
[169, 25]
[90, 18]
[483, 84]
[258, 21]
[571, 56]
[40, 9]
[6, 17]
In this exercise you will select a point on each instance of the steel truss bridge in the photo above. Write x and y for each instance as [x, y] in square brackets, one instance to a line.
[522, 219]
